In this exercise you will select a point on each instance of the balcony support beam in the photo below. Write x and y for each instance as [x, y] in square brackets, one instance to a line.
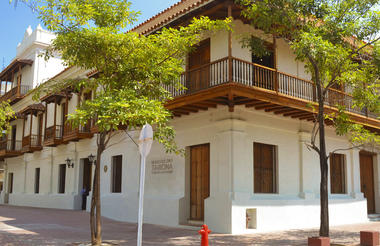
[275, 107]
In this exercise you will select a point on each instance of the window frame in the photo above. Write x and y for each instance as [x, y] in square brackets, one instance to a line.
[61, 179]
[37, 180]
[116, 187]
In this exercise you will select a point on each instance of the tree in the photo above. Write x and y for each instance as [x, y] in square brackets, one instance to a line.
[335, 41]
[6, 115]
[132, 71]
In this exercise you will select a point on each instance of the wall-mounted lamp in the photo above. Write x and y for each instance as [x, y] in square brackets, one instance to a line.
[91, 158]
[69, 162]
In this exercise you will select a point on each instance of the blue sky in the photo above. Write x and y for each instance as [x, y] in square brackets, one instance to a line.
[14, 22]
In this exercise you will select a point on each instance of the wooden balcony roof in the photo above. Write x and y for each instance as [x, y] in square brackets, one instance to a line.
[33, 109]
[55, 97]
[17, 116]
[13, 67]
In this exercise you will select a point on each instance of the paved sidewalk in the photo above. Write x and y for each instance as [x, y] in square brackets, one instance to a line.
[21, 226]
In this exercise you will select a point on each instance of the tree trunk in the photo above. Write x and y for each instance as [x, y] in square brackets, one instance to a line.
[324, 226]
[92, 211]
[95, 214]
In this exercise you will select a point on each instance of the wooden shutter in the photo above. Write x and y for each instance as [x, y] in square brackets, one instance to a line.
[264, 168]
[199, 60]
[337, 174]
[116, 173]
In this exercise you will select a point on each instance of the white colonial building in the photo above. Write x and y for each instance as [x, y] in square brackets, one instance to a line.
[243, 123]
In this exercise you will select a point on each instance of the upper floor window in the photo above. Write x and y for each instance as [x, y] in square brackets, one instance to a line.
[267, 60]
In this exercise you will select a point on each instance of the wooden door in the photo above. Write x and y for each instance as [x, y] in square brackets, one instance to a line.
[87, 169]
[366, 180]
[199, 70]
[86, 186]
[199, 179]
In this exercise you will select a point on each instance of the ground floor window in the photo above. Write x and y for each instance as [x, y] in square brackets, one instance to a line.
[265, 170]
[337, 173]
[37, 180]
[10, 182]
[62, 178]
[116, 173]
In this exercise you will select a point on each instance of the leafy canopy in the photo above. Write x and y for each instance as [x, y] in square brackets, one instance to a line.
[338, 41]
[133, 70]
[6, 115]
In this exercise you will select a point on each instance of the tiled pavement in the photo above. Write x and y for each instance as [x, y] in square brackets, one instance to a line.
[35, 226]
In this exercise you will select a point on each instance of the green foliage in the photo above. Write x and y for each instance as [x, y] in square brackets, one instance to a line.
[6, 114]
[338, 43]
[256, 45]
[133, 70]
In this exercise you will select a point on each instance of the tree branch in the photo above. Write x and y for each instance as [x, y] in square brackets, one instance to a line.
[345, 149]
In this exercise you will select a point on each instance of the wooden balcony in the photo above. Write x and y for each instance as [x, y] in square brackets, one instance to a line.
[94, 128]
[15, 94]
[10, 148]
[234, 82]
[71, 133]
[53, 136]
[31, 143]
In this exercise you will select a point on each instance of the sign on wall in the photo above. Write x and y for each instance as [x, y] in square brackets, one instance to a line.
[162, 166]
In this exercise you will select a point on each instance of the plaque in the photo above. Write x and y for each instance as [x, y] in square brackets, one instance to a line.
[162, 166]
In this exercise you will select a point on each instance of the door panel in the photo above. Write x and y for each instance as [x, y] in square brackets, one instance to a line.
[366, 180]
[199, 179]
[264, 168]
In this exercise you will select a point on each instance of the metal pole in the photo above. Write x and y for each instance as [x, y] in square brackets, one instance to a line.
[141, 202]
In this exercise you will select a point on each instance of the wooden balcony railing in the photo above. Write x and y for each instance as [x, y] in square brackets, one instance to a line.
[15, 92]
[255, 75]
[31, 141]
[10, 145]
[53, 132]
[70, 130]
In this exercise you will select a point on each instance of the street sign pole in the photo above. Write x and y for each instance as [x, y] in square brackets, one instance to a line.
[145, 144]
